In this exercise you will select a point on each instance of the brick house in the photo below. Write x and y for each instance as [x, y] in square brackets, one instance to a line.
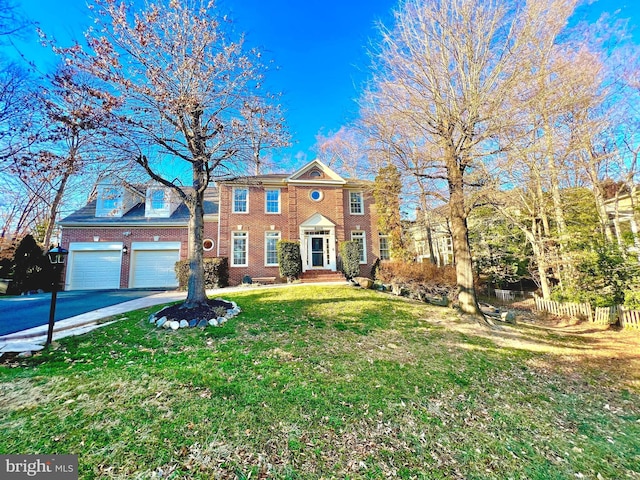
[131, 236]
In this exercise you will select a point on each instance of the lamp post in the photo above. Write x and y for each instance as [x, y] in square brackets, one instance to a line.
[57, 257]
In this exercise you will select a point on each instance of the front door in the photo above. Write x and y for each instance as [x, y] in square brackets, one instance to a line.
[317, 251]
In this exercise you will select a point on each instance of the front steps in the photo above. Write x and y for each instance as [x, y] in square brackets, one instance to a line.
[316, 276]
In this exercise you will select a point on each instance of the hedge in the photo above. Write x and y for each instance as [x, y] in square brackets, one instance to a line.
[289, 259]
[350, 253]
[216, 272]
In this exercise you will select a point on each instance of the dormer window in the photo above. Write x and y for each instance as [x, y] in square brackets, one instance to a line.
[158, 202]
[109, 202]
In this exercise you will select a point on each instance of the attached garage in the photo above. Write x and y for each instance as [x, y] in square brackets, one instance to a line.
[94, 266]
[153, 264]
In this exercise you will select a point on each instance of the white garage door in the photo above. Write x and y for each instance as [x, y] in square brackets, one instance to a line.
[154, 268]
[94, 270]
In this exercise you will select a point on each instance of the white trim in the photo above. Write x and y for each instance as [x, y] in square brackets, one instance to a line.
[155, 245]
[77, 246]
[361, 193]
[233, 200]
[313, 191]
[328, 233]
[273, 234]
[334, 178]
[362, 234]
[213, 244]
[272, 189]
[246, 249]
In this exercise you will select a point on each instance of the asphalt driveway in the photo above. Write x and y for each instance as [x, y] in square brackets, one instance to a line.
[27, 311]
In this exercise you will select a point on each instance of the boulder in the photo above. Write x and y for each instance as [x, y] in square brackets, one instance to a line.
[184, 324]
[508, 317]
[193, 323]
[364, 282]
[174, 324]
[203, 323]
[213, 322]
[161, 321]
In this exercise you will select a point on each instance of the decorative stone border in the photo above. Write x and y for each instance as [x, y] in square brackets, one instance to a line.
[164, 322]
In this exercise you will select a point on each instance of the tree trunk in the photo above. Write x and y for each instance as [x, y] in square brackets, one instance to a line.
[53, 211]
[598, 194]
[460, 236]
[538, 253]
[196, 294]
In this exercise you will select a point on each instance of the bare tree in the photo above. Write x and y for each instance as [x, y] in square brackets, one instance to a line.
[450, 72]
[178, 81]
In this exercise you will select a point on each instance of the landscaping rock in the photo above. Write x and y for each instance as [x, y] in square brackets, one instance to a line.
[184, 324]
[440, 301]
[193, 323]
[221, 320]
[213, 322]
[203, 323]
[364, 282]
[509, 317]
[152, 318]
[174, 324]
[161, 321]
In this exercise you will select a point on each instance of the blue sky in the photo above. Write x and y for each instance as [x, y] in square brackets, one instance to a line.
[319, 46]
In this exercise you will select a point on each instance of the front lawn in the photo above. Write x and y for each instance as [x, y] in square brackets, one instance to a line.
[332, 382]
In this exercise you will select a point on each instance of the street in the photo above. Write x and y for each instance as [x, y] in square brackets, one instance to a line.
[27, 311]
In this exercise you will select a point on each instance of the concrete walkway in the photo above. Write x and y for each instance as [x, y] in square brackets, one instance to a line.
[33, 339]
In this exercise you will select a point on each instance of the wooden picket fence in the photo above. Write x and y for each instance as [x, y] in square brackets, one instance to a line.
[629, 318]
[602, 315]
[564, 309]
[606, 315]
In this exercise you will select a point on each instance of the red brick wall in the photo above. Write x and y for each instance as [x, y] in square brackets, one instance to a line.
[296, 207]
[137, 234]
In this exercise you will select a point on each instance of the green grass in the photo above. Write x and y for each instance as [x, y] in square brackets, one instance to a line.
[328, 382]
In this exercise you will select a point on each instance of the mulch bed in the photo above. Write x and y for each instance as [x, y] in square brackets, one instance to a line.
[201, 312]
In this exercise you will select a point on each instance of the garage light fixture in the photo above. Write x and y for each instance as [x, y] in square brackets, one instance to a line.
[125, 250]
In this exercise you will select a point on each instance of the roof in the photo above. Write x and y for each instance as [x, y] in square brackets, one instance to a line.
[86, 216]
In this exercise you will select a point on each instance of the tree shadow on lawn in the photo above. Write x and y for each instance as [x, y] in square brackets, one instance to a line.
[567, 345]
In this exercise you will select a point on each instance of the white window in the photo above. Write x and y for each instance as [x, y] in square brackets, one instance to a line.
[385, 253]
[240, 200]
[270, 248]
[109, 202]
[158, 203]
[356, 206]
[239, 245]
[272, 200]
[316, 195]
[359, 237]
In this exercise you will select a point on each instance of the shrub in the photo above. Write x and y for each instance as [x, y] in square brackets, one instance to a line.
[31, 268]
[216, 272]
[350, 254]
[289, 259]
[410, 272]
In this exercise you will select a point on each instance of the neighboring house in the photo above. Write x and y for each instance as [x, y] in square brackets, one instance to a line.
[131, 237]
[624, 214]
[430, 238]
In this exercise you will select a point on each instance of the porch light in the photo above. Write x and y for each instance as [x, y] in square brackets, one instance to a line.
[125, 250]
